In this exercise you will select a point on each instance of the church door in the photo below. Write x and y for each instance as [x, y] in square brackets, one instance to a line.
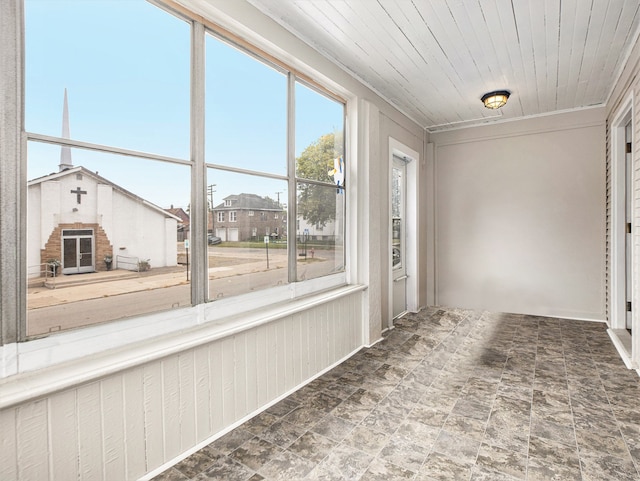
[77, 251]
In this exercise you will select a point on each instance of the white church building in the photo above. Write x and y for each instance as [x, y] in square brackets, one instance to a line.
[79, 218]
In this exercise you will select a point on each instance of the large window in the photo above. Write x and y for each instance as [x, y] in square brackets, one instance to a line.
[125, 65]
[111, 161]
[320, 170]
[100, 245]
[246, 111]
[248, 131]
[103, 228]
[244, 262]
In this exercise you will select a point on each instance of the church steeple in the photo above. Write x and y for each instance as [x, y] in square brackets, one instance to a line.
[65, 151]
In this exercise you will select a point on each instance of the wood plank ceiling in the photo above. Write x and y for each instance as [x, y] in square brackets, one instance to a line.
[433, 59]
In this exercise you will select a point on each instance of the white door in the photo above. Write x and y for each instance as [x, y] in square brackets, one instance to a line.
[222, 233]
[233, 234]
[628, 219]
[398, 236]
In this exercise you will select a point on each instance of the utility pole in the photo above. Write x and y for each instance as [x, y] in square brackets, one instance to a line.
[278, 194]
[210, 190]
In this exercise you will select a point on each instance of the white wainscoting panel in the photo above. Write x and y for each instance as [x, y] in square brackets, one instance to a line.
[132, 422]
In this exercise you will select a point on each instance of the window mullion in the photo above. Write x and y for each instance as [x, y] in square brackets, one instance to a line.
[292, 214]
[12, 176]
[199, 266]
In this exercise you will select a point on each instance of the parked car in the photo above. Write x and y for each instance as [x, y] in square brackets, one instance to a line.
[213, 240]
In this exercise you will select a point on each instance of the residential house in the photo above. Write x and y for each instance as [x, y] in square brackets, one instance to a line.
[183, 223]
[249, 217]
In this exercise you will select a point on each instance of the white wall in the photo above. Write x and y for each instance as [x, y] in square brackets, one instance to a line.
[142, 232]
[520, 216]
[105, 209]
[34, 232]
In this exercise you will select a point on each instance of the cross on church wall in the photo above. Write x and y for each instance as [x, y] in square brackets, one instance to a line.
[78, 193]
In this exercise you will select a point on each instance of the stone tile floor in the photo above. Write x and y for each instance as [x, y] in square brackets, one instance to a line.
[449, 394]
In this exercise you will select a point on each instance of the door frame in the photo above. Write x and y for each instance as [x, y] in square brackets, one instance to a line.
[78, 269]
[618, 254]
[411, 227]
[399, 274]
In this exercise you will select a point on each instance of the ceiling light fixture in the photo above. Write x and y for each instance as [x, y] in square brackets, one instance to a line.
[496, 99]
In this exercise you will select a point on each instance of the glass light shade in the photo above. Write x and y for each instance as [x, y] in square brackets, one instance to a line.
[495, 100]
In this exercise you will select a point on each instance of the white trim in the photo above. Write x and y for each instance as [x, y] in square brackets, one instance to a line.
[617, 318]
[480, 135]
[73, 345]
[622, 341]
[623, 65]
[181, 333]
[429, 214]
[411, 222]
[48, 139]
[13, 198]
[514, 119]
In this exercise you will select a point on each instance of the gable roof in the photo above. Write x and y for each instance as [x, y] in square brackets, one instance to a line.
[249, 202]
[101, 180]
[180, 213]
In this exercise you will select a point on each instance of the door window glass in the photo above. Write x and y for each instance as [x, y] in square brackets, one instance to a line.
[396, 217]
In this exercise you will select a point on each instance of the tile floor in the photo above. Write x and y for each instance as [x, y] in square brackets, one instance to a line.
[449, 395]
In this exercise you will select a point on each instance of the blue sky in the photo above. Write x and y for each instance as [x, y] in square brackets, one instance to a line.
[125, 65]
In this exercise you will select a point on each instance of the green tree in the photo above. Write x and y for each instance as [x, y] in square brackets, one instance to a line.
[317, 203]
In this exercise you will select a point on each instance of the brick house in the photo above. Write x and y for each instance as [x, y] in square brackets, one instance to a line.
[184, 224]
[249, 217]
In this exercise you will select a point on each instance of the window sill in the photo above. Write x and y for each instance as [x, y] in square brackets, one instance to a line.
[40, 381]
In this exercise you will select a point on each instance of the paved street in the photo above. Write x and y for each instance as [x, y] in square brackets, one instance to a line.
[86, 299]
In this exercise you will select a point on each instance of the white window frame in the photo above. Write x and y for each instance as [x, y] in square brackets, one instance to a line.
[17, 356]
[220, 217]
[233, 216]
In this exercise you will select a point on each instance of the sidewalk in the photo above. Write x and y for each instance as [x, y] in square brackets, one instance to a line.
[93, 285]
[79, 287]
